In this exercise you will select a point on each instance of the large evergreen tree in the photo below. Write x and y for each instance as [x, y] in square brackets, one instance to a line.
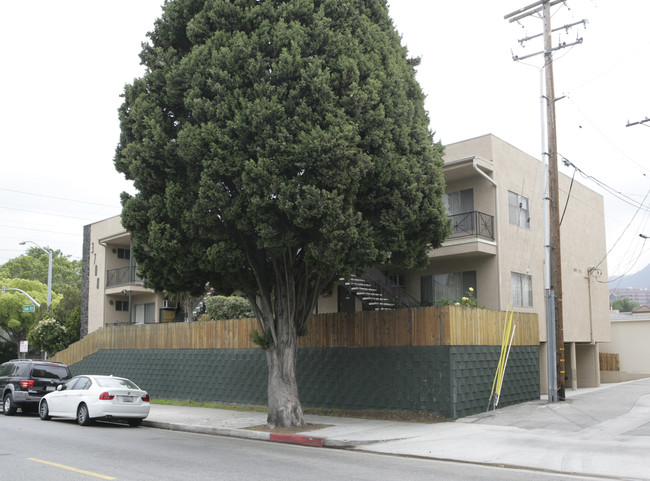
[276, 145]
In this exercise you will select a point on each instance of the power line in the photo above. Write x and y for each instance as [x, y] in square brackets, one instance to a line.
[58, 198]
[611, 190]
[640, 122]
[47, 213]
[39, 230]
[604, 136]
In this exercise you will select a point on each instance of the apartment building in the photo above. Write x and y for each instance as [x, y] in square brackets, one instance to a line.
[495, 198]
[112, 290]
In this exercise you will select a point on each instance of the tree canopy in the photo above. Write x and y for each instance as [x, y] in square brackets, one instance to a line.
[274, 146]
[14, 323]
[33, 265]
[624, 304]
[30, 270]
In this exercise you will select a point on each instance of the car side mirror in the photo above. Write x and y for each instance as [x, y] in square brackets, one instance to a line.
[59, 387]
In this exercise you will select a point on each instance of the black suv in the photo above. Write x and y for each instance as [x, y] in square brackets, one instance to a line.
[23, 382]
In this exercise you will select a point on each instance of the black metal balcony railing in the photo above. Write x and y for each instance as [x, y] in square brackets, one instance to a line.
[472, 224]
[123, 276]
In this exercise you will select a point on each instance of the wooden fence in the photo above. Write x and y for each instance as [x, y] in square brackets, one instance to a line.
[427, 326]
[609, 362]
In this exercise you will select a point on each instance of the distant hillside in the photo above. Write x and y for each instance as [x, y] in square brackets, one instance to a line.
[639, 280]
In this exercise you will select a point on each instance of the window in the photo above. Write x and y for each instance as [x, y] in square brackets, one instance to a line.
[70, 385]
[47, 371]
[397, 279]
[145, 313]
[83, 384]
[115, 382]
[521, 288]
[459, 202]
[123, 253]
[448, 287]
[121, 305]
[518, 210]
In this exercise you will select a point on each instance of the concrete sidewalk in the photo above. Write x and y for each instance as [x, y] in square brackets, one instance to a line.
[601, 432]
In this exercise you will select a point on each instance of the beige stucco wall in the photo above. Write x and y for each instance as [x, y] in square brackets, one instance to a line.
[106, 237]
[97, 273]
[519, 249]
[629, 339]
[328, 302]
[586, 297]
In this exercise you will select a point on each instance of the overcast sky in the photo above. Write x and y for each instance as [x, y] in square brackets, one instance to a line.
[65, 64]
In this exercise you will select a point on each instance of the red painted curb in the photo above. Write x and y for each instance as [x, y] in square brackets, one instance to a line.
[297, 439]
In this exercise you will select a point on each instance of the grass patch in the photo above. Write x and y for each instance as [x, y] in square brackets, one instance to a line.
[196, 404]
[376, 414]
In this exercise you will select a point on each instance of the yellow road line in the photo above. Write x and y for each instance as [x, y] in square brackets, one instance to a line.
[62, 466]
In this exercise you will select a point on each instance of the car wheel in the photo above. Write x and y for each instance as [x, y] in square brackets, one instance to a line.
[134, 423]
[44, 411]
[8, 405]
[83, 418]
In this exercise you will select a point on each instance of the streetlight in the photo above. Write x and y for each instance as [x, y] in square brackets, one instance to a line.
[49, 271]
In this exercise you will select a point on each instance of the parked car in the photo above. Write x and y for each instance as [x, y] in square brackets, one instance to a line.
[88, 398]
[23, 382]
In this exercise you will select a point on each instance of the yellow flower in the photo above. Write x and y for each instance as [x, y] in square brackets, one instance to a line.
[464, 299]
[457, 304]
[471, 289]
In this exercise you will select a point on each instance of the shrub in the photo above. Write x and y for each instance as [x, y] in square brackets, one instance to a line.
[469, 300]
[232, 307]
[48, 335]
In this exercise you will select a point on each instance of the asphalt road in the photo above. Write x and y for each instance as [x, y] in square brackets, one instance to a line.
[62, 450]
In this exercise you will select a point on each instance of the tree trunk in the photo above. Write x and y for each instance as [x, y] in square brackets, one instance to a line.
[187, 307]
[284, 405]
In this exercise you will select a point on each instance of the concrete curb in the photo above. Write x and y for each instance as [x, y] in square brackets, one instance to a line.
[299, 439]
[236, 433]
[302, 440]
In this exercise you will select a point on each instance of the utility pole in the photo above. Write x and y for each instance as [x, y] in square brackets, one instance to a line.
[554, 214]
[553, 282]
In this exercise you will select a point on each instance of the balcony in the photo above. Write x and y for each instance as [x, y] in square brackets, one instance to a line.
[472, 224]
[124, 276]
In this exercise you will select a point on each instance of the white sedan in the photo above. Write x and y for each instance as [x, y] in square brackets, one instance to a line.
[86, 398]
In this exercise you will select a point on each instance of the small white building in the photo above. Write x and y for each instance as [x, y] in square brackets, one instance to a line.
[630, 334]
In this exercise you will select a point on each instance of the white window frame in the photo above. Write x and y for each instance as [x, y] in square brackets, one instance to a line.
[518, 210]
[521, 289]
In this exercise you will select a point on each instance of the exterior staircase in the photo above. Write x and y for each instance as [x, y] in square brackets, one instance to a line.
[377, 292]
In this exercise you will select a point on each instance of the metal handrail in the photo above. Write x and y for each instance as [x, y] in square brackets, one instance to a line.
[387, 288]
[472, 224]
[123, 276]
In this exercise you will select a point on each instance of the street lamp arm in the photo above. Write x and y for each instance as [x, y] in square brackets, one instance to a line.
[20, 290]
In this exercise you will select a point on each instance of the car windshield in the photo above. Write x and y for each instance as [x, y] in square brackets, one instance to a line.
[115, 382]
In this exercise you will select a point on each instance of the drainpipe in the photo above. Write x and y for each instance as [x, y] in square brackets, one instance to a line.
[496, 225]
[591, 330]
